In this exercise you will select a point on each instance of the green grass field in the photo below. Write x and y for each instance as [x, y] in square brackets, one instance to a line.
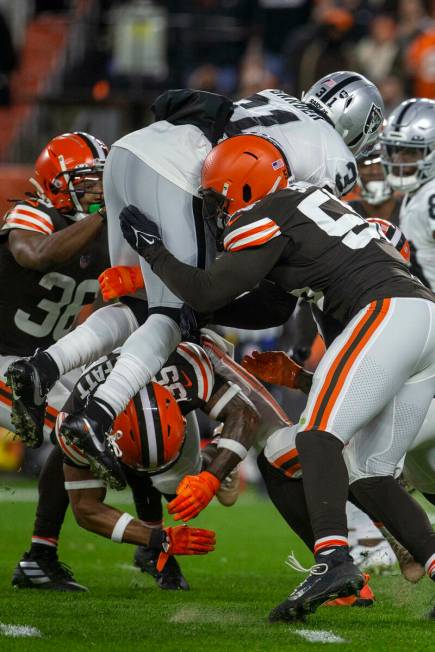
[232, 592]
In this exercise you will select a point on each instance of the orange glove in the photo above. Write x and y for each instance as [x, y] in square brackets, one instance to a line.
[117, 281]
[193, 494]
[274, 367]
[183, 540]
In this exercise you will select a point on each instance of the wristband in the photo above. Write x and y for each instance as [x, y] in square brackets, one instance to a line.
[120, 527]
[84, 484]
[232, 391]
[235, 446]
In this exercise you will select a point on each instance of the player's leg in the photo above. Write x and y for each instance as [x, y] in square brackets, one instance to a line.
[419, 468]
[144, 352]
[359, 375]
[31, 379]
[374, 456]
[39, 568]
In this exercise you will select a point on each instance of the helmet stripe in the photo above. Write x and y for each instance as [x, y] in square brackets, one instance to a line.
[338, 87]
[402, 113]
[149, 424]
[157, 425]
[137, 402]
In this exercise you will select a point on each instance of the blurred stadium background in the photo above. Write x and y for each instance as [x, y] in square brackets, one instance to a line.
[98, 65]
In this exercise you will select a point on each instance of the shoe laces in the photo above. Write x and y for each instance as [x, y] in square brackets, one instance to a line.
[294, 563]
[112, 439]
[59, 569]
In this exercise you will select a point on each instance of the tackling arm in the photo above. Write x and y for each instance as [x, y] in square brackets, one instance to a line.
[41, 252]
[86, 495]
[240, 419]
[228, 277]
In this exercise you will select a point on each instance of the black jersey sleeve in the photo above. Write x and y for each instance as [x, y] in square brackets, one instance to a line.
[229, 276]
[189, 376]
[266, 306]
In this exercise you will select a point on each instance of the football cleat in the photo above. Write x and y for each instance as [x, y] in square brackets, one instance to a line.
[30, 383]
[171, 578]
[44, 572]
[90, 437]
[336, 577]
[366, 598]
[229, 490]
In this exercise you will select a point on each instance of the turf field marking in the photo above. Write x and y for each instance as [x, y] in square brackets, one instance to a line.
[318, 636]
[128, 567]
[18, 630]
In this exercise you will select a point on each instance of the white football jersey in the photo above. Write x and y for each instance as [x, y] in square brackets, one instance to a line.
[315, 152]
[417, 221]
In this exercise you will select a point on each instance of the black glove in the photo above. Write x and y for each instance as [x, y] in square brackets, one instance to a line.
[190, 324]
[140, 232]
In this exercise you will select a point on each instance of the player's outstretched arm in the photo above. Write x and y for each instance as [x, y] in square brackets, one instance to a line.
[42, 252]
[277, 368]
[86, 495]
[240, 420]
[204, 290]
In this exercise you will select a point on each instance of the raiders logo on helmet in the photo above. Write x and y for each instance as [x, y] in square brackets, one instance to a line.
[374, 120]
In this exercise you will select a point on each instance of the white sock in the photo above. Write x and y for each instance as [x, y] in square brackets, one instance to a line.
[142, 356]
[103, 331]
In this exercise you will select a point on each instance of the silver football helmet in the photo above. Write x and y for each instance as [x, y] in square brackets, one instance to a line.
[354, 106]
[372, 181]
[408, 145]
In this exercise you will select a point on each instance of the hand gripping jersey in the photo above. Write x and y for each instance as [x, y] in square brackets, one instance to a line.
[177, 146]
[328, 250]
[38, 308]
[417, 221]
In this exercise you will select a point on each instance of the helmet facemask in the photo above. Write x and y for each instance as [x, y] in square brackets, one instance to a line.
[84, 187]
[375, 189]
[407, 166]
[215, 207]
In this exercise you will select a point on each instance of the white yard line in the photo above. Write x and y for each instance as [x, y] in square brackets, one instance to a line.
[318, 636]
[16, 631]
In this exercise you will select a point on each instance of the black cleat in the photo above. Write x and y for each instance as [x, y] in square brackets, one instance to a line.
[30, 380]
[90, 436]
[44, 572]
[171, 578]
[338, 577]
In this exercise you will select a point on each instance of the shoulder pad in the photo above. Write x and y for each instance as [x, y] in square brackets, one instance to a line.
[30, 215]
[249, 228]
[202, 366]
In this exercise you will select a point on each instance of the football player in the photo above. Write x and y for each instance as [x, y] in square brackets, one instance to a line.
[301, 236]
[408, 155]
[156, 454]
[157, 169]
[54, 246]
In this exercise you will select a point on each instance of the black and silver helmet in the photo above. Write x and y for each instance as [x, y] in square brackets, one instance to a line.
[408, 145]
[354, 106]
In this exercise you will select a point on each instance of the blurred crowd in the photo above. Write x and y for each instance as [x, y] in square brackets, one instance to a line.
[238, 46]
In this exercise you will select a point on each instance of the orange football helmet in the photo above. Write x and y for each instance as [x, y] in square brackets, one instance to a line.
[63, 163]
[395, 236]
[150, 432]
[243, 169]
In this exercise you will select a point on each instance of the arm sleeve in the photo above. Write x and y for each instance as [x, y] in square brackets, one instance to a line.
[228, 277]
[265, 307]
